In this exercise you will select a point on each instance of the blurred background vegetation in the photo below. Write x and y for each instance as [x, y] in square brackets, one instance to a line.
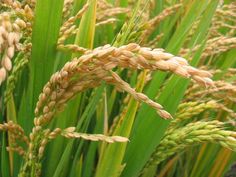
[200, 139]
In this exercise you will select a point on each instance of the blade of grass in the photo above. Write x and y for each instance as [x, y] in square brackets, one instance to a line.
[90, 155]
[206, 155]
[88, 113]
[221, 162]
[84, 38]
[110, 165]
[5, 168]
[85, 126]
[48, 16]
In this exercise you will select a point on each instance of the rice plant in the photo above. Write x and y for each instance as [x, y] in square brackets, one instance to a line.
[104, 88]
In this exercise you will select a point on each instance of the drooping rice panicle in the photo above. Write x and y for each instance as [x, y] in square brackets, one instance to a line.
[91, 68]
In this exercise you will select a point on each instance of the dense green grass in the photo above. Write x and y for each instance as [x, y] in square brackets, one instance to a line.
[202, 32]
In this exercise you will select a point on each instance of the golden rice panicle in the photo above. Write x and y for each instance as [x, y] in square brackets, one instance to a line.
[70, 133]
[214, 46]
[103, 15]
[223, 18]
[153, 23]
[10, 34]
[222, 90]
[68, 23]
[122, 85]
[67, 8]
[71, 48]
[68, 28]
[17, 149]
[107, 21]
[95, 66]
[16, 134]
